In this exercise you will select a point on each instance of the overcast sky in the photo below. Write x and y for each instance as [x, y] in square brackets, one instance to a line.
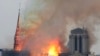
[8, 19]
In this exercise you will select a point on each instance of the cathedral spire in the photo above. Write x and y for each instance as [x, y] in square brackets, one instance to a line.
[17, 34]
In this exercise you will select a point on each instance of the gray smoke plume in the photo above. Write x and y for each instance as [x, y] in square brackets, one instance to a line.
[58, 18]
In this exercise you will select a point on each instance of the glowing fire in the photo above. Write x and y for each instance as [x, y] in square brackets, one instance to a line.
[18, 44]
[18, 48]
[54, 48]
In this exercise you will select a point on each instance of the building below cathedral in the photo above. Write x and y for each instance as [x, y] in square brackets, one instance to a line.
[13, 53]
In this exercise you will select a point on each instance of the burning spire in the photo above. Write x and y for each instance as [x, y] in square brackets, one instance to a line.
[17, 43]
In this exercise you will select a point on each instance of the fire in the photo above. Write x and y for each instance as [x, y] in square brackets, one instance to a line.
[18, 48]
[18, 45]
[54, 48]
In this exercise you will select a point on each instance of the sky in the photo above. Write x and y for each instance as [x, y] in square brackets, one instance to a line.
[8, 21]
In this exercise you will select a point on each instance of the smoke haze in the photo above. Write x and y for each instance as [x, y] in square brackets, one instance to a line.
[46, 20]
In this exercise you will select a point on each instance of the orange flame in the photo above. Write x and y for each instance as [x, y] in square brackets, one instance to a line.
[54, 48]
[18, 48]
[18, 45]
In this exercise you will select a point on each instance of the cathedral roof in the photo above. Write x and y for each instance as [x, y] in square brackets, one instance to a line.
[78, 31]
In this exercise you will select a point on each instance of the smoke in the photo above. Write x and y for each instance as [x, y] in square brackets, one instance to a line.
[45, 20]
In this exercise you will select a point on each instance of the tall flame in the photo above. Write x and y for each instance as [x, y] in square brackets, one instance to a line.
[54, 48]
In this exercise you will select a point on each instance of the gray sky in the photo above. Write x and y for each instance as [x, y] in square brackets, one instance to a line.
[8, 19]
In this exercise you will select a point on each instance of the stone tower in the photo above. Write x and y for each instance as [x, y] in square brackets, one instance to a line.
[79, 42]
